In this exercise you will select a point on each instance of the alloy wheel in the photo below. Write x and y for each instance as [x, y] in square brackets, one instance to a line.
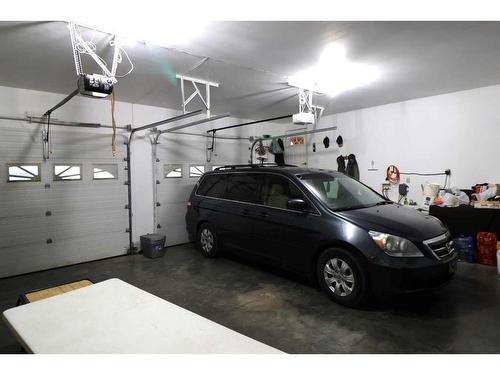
[339, 277]
[206, 240]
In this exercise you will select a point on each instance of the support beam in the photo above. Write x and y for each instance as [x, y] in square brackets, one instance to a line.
[196, 93]
[196, 80]
[168, 120]
[40, 120]
[249, 123]
[198, 122]
[209, 136]
[62, 102]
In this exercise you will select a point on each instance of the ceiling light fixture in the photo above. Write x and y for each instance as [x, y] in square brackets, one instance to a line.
[334, 73]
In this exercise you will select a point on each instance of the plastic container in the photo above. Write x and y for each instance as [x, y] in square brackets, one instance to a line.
[498, 257]
[464, 245]
[487, 248]
[153, 245]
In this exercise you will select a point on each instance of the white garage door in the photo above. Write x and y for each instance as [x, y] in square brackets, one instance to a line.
[181, 160]
[68, 209]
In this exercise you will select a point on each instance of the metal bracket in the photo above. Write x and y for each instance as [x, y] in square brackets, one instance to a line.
[305, 100]
[196, 93]
[78, 41]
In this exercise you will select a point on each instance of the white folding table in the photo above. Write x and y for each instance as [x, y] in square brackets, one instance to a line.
[115, 317]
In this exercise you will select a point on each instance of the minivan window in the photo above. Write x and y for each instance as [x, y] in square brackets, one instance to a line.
[243, 188]
[340, 192]
[277, 190]
[212, 186]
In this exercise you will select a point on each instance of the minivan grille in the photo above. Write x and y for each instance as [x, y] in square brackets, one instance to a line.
[440, 246]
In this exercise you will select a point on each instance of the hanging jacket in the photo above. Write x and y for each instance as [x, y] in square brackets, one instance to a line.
[341, 164]
[352, 167]
[277, 146]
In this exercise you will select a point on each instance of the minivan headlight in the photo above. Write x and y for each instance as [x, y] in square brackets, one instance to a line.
[395, 246]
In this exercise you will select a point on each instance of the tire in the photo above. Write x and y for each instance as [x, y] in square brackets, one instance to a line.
[206, 241]
[343, 278]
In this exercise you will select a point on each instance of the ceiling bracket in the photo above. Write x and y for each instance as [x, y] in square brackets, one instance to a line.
[305, 101]
[80, 46]
[196, 93]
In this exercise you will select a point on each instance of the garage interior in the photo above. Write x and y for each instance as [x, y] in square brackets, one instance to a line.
[86, 171]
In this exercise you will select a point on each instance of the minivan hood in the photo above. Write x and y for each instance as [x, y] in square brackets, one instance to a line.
[396, 219]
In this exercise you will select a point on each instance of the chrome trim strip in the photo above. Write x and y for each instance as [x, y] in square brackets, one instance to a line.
[439, 238]
[443, 237]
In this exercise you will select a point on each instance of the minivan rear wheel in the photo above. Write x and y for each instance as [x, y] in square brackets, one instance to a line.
[342, 277]
[207, 241]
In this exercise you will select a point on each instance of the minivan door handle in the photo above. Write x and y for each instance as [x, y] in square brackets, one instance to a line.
[244, 212]
[263, 214]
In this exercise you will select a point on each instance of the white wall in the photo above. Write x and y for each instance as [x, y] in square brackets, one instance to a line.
[459, 131]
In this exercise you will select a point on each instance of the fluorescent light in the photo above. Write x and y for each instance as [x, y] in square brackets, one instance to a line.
[334, 73]
[165, 34]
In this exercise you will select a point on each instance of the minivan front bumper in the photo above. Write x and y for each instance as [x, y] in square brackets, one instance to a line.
[402, 275]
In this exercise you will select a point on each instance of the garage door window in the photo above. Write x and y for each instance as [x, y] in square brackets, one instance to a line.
[105, 171]
[196, 170]
[23, 172]
[67, 172]
[172, 171]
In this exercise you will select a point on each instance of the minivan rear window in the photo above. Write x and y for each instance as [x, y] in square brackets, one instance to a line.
[212, 186]
[243, 188]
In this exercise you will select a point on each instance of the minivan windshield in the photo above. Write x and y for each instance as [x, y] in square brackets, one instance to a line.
[340, 192]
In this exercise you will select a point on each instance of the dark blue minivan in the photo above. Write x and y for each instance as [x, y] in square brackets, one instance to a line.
[323, 224]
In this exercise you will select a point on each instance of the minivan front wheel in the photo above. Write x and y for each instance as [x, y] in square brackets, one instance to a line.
[342, 277]
[207, 241]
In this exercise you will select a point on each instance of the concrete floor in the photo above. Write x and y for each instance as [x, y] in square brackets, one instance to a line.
[285, 312]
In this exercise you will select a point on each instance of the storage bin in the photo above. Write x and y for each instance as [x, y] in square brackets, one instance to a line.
[487, 248]
[464, 245]
[153, 245]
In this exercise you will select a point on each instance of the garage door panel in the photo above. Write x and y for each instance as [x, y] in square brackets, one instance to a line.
[76, 250]
[41, 256]
[71, 225]
[87, 218]
[173, 193]
[181, 195]
[23, 258]
[175, 233]
[173, 213]
[17, 231]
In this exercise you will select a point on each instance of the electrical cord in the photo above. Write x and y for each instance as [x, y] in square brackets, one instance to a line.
[423, 174]
[120, 59]
[393, 175]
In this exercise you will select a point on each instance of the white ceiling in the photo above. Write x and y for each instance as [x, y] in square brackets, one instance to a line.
[251, 61]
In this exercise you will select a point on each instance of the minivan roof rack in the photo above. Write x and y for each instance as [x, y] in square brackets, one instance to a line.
[252, 166]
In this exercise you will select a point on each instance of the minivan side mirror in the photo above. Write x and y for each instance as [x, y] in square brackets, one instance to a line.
[296, 204]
